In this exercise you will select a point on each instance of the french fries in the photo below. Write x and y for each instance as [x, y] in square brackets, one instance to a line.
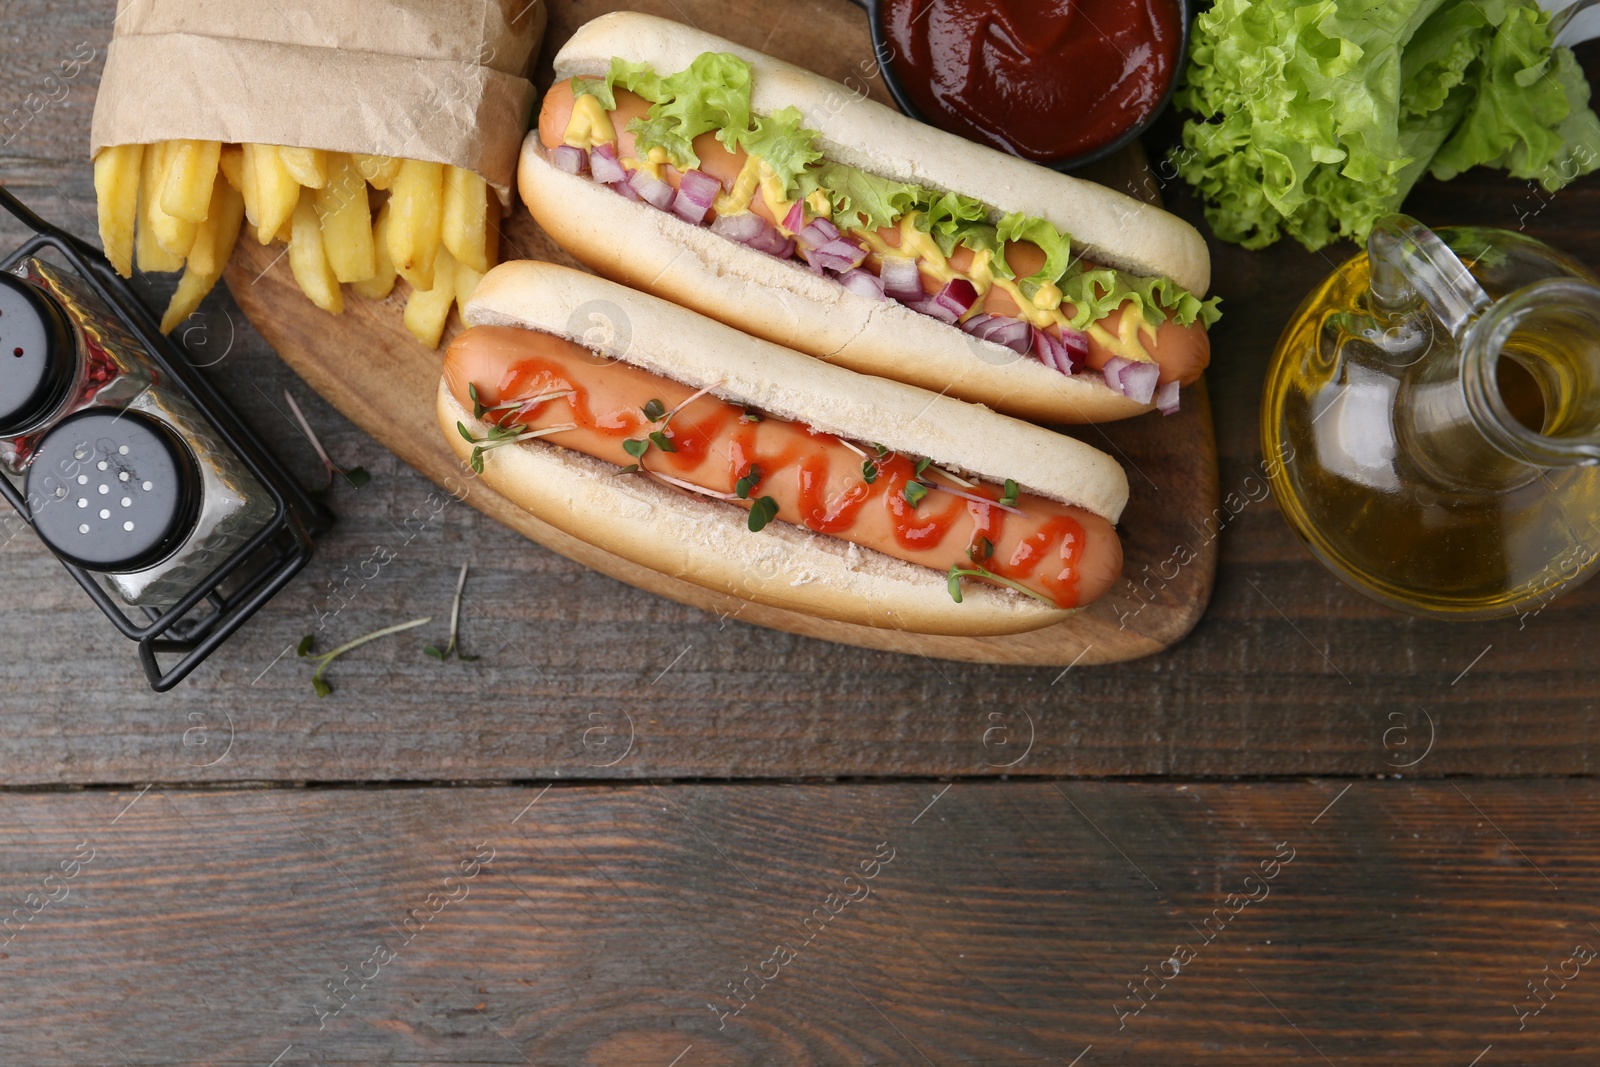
[381, 284]
[465, 223]
[231, 160]
[173, 234]
[416, 215]
[428, 309]
[191, 171]
[247, 185]
[348, 219]
[467, 281]
[308, 166]
[277, 193]
[308, 257]
[116, 188]
[378, 170]
[213, 246]
[147, 250]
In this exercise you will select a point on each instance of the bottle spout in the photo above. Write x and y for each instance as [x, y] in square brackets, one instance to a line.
[1551, 330]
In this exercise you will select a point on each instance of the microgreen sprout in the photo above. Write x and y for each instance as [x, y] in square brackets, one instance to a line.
[479, 410]
[304, 649]
[656, 411]
[747, 484]
[453, 649]
[762, 512]
[979, 553]
[663, 442]
[691, 487]
[962, 482]
[356, 476]
[914, 492]
[869, 471]
[1009, 500]
[500, 436]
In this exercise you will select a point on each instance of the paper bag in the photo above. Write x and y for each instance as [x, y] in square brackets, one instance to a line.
[438, 80]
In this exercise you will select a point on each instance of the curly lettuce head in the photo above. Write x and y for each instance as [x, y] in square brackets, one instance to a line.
[1318, 116]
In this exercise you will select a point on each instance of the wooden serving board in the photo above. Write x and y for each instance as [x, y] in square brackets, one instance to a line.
[367, 365]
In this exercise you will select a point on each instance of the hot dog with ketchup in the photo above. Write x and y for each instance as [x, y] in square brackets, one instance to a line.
[685, 446]
[842, 229]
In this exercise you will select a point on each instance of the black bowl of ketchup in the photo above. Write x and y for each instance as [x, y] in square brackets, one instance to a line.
[1058, 82]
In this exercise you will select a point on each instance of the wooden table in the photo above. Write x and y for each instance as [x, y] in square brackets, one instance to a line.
[633, 833]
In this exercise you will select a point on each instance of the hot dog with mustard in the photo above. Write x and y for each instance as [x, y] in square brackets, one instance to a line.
[774, 200]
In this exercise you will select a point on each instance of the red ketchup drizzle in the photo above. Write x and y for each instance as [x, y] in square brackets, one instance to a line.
[1046, 560]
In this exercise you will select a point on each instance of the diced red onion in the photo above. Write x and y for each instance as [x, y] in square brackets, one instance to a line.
[1015, 334]
[1135, 380]
[697, 191]
[687, 210]
[1112, 372]
[901, 279]
[569, 160]
[1167, 398]
[655, 191]
[1076, 345]
[818, 233]
[838, 255]
[774, 243]
[1139, 381]
[975, 325]
[934, 310]
[608, 170]
[626, 191]
[699, 187]
[796, 218]
[751, 229]
[744, 227]
[959, 295]
[1051, 352]
[862, 282]
[994, 325]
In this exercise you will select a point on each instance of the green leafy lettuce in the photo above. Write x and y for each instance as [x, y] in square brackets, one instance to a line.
[1316, 119]
[1056, 246]
[786, 146]
[860, 201]
[713, 95]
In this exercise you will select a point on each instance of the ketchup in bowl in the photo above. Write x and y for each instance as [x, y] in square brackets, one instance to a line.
[1047, 80]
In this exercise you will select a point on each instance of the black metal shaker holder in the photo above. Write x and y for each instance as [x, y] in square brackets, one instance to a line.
[207, 616]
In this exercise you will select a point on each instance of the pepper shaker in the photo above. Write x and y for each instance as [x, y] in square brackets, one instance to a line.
[131, 470]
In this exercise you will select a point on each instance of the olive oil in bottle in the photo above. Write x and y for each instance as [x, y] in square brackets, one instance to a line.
[1434, 408]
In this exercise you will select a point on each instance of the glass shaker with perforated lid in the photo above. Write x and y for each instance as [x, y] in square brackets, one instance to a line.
[127, 466]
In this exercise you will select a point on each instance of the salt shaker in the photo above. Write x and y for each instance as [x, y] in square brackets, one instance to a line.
[128, 466]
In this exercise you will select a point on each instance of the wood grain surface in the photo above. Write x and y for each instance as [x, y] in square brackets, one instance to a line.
[1289, 673]
[1316, 922]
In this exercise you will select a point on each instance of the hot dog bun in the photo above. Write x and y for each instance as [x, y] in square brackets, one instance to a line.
[706, 542]
[786, 303]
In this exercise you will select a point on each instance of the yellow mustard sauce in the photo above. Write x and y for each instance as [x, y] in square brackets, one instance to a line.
[1126, 341]
[654, 164]
[591, 125]
[736, 201]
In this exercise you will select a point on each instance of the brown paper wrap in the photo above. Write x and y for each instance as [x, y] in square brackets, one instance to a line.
[438, 80]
